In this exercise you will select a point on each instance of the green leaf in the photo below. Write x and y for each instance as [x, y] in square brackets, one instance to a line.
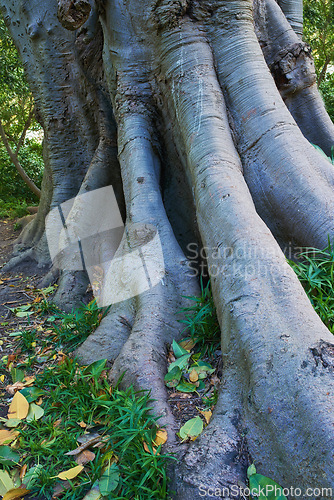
[191, 429]
[202, 371]
[186, 387]
[31, 393]
[94, 493]
[95, 369]
[32, 475]
[6, 482]
[109, 480]
[180, 362]
[17, 375]
[23, 314]
[178, 350]
[8, 456]
[35, 412]
[12, 422]
[173, 377]
[251, 470]
[264, 488]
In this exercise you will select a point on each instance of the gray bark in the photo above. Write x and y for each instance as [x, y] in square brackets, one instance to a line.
[210, 146]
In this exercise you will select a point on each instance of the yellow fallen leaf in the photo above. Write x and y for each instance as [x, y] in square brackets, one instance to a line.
[83, 425]
[7, 437]
[207, 414]
[2, 378]
[15, 493]
[19, 407]
[187, 344]
[146, 448]
[161, 437]
[23, 471]
[29, 380]
[193, 376]
[70, 473]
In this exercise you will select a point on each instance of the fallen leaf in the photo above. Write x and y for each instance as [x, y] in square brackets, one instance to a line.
[12, 422]
[35, 412]
[59, 489]
[82, 424]
[2, 378]
[19, 407]
[29, 380]
[15, 493]
[84, 457]
[32, 475]
[7, 437]
[85, 445]
[11, 389]
[94, 493]
[193, 376]
[207, 414]
[178, 350]
[8, 456]
[69, 473]
[187, 344]
[6, 482]
[146, 448]
[161, 437]
[191, 429]
[109, 480]
[23, 471]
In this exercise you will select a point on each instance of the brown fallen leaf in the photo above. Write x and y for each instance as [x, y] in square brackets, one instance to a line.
[84, 457]
[207, 414]
[193, 376]
[85, 445]
[188, 344]
[29, 380]
[23, 471]
[161, 437]
[146, 448]
[11, 389]
[15, 493]
[82, 424]
[59, 489]
[7, 437]
[19, 407]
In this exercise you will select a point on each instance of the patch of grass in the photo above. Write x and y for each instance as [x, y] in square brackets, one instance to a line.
[79, 401]
[202, 323]
[73, 328]
[315, 271]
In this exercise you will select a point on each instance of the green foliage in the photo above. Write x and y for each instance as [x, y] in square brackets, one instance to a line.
[11, 184]
[201, 321]
[16, 103]
[316, 272]
[13, 208]
[327, 91]
[319, 33]
[73, 328]
[122, 422]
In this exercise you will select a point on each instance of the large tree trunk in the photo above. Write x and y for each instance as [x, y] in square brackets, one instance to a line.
[214, 103]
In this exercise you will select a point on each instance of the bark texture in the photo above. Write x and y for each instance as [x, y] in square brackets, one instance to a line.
[199, 113]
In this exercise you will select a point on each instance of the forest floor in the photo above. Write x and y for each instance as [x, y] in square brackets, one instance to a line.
[35, 336]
